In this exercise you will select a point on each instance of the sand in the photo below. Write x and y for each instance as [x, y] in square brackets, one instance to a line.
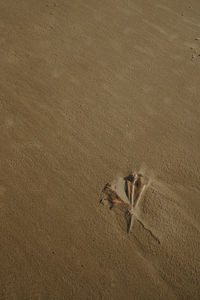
[90, 91]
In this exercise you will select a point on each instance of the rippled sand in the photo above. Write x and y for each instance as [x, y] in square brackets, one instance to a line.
[90, 91]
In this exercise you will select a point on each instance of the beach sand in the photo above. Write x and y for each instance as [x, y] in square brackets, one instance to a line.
[91, 91]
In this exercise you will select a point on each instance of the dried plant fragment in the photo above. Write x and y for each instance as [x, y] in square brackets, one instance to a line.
[133, 190]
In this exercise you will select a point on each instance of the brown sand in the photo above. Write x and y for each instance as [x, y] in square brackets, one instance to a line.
[91, 90]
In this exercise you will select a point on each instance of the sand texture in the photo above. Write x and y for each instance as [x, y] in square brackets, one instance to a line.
[89, 92]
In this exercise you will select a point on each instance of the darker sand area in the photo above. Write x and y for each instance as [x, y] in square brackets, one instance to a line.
[89, 91]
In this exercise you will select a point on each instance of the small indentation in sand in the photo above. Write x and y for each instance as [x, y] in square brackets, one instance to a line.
[195, 49]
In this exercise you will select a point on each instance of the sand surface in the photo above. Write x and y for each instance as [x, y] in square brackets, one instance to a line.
[90, 91]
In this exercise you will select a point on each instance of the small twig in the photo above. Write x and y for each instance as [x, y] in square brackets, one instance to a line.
[132, 202]
[129, 186]
[133, 193]
[140, 195]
